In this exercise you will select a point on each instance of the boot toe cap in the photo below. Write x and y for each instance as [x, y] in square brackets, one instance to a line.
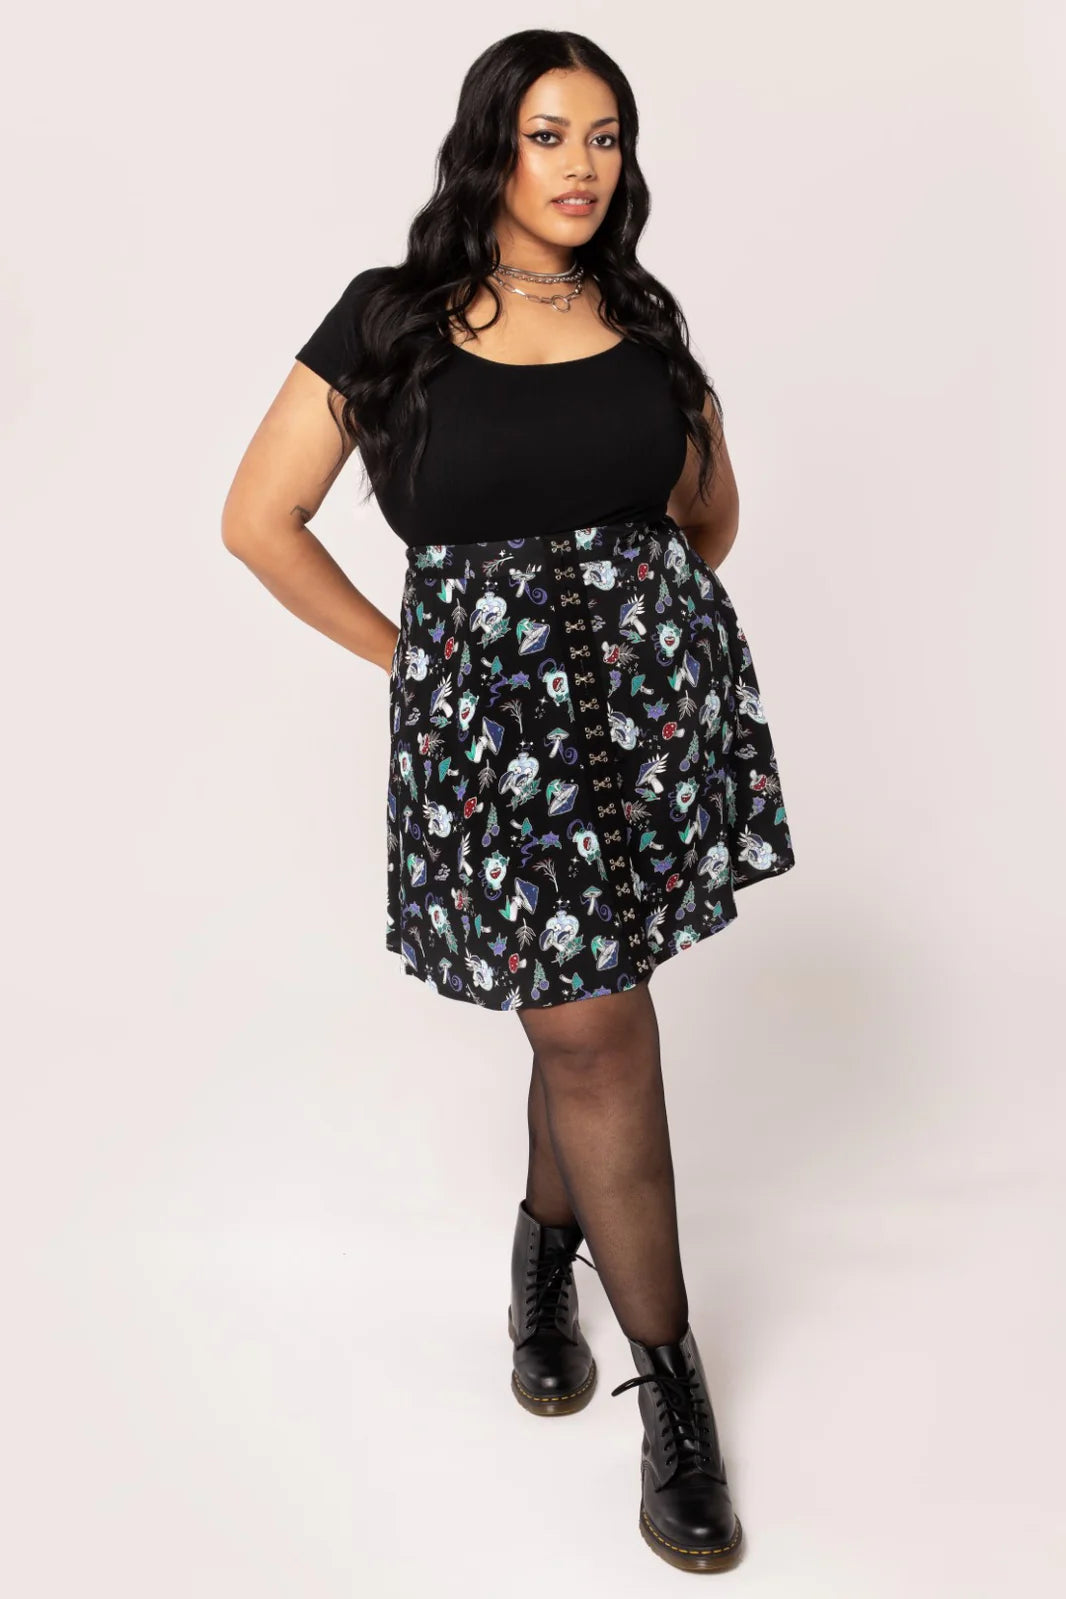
[554, 1372]
[696, 1516]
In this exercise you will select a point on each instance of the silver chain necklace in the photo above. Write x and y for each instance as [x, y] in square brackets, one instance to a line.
[559, 302]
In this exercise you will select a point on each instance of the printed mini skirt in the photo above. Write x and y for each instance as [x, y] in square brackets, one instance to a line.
[581, 773]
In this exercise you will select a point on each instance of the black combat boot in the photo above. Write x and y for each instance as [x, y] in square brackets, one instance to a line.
[686, 1514]
[554, 1372]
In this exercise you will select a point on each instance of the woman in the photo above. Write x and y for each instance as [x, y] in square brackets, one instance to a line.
[581, 774]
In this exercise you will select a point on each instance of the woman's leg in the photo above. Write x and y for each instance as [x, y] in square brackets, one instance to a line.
[598, 1061]
[546, 1195]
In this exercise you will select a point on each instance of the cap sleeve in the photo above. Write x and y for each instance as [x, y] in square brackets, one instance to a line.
[331, 349]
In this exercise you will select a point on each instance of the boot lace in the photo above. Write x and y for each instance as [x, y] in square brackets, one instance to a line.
[684, 1407]
[553, 1276]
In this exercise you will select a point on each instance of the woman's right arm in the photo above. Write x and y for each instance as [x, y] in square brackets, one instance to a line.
[291, 462]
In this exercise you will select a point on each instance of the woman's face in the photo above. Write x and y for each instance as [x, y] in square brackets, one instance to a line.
[568, 138]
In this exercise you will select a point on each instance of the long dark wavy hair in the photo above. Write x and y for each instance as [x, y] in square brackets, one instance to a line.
[452, 249]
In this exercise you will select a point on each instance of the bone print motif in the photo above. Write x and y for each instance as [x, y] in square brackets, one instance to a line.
[581, 775]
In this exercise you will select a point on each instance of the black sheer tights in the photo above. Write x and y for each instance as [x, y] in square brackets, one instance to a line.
[599, 1151]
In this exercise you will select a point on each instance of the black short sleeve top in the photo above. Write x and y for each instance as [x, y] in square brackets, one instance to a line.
[522, 450]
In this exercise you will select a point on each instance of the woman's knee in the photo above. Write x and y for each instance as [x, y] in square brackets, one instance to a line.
[592, 1047]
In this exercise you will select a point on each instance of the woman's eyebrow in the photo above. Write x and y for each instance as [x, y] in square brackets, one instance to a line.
[546, 116]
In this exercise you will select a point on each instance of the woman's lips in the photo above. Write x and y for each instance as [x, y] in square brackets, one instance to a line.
[572, 208]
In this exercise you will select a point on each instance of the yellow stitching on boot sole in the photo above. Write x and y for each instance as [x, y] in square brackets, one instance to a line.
[721, 1550]
[549, 1399]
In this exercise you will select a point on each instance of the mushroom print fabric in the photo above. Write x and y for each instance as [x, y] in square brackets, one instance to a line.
[581, 772]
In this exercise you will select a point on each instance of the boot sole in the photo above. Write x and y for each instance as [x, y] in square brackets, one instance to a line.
[551, 1404]
[722, 1558]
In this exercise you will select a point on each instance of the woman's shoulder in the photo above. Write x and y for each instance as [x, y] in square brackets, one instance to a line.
[365, 282]
[331, 348]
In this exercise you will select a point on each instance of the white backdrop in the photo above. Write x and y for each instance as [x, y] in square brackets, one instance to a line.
[259, 1184]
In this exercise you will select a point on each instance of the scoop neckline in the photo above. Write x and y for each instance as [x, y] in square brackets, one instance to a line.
[536, 366]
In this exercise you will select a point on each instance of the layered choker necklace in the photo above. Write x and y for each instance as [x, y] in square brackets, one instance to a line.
[559, 302]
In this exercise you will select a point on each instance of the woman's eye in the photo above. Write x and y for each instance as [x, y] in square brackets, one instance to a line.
[543, 133]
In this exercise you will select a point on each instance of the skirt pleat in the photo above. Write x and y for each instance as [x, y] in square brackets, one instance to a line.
[581, 771]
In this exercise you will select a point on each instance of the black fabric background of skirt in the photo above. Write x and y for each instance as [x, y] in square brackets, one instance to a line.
[581, 772]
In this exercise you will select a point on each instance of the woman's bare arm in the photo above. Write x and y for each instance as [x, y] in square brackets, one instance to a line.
[710, 524]
[292, 461]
